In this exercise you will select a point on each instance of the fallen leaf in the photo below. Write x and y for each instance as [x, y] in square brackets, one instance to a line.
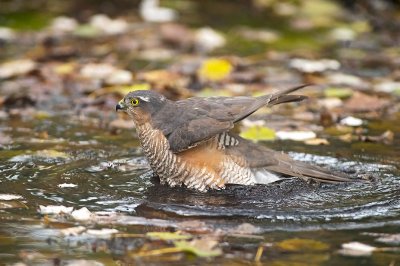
[338, 92]
[83, 263]
[317, 141]
[16, 68]
[356, 249]
[73, 231]
[52, 154]
[10, 197]
[207, 40]
[258, 133]
[386, 137]
[55, 209]
[102, 233]
[215, 69]
[295, 135]
[361, 102]
[311, 66]
[168, 235]
[83, 214]
[351, 121]
[203, 247]
[302, 245]
[64, 185]
[107, 25]
[245, 228]
[392, 239]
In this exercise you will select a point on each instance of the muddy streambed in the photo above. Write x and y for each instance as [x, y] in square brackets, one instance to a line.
[107, 173]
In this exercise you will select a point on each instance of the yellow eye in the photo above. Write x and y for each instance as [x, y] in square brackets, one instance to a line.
[134, 101]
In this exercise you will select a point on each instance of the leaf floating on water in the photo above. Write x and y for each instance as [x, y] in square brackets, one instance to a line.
[338, 92]
[295, 135]
[316, 142]
[10, 197]
[73, 231]
[215, 69]
[83, 214]
[245, 228]
[64, 185]
[356, 249]
[102, 233]
[392, 239]
[204, 247]
[52, 154]
[302, 245]
[55, 209]
[168, 235]
[258, 133]
[84, 263]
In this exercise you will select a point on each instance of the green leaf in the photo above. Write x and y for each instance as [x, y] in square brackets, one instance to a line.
[338, 92]
[168, 235]
[258, 133]
[200, 247]
[86, 30]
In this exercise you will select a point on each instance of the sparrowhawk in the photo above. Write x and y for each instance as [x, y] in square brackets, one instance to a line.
[188, 142]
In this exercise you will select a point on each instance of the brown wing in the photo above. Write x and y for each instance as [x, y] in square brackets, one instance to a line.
[189, 122]
[258, 156]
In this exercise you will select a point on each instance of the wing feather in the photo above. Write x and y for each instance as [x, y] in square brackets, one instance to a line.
[189, 122]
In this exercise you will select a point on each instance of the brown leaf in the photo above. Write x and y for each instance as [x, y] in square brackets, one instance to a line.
[361, 102]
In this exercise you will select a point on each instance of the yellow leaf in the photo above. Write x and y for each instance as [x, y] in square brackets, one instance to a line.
[302, 245]
[258, 133]
[168, 235]
[64, 68]
[215, 69]
[203, 247]
[51, 154]
[338, 92]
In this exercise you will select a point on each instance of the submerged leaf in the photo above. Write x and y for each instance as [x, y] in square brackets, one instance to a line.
[258, 133]
[168, 235]
[303, 245]
[203, 247]
[52, 154]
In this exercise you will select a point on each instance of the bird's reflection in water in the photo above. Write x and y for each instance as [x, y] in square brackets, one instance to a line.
[164, 202]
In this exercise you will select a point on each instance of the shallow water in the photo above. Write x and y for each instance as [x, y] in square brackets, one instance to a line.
[109, 173]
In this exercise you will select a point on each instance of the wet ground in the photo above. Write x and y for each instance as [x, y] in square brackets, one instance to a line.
[62, 144]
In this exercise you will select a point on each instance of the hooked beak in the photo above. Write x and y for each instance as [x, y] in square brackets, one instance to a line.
[119, 106]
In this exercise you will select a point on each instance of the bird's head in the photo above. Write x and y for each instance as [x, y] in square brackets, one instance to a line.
[141, 105]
